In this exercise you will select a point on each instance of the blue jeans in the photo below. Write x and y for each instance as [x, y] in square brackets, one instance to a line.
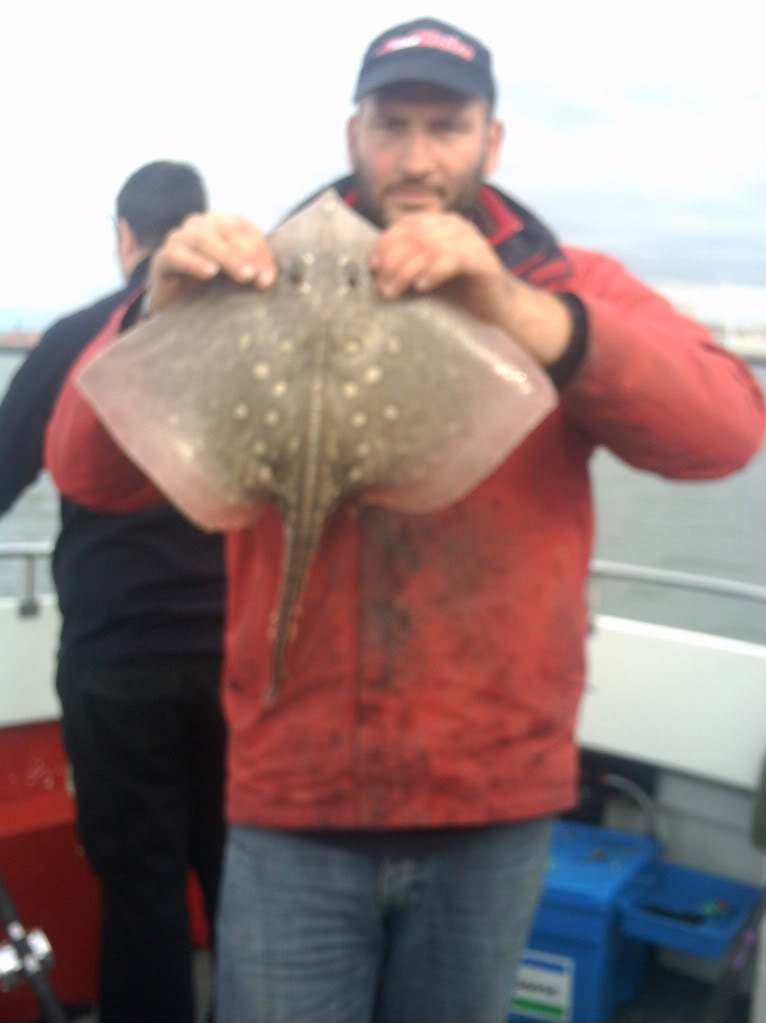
[315, 933]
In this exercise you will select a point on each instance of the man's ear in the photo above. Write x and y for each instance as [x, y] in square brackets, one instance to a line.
[495, 137]
[351, 139]
[126, 241]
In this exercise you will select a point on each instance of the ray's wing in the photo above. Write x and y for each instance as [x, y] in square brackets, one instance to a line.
[209, 398]
[439, 399]
[194, 396]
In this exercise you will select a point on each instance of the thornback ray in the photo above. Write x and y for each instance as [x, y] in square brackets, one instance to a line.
[313, 392]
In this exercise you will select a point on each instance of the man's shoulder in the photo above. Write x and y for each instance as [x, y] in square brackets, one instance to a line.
[596, 272]
[92, 316]
[584, 259]
[62, 343]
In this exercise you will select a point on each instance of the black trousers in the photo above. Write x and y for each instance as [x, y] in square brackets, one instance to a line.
[146, 742]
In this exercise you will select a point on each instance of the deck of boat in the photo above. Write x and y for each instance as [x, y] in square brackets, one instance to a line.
[669, 997]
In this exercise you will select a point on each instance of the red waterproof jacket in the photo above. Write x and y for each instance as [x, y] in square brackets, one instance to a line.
[439, 659]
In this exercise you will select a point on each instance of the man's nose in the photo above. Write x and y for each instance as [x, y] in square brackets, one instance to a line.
[417, 158]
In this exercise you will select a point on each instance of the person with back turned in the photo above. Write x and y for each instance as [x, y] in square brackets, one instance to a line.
[141, 596]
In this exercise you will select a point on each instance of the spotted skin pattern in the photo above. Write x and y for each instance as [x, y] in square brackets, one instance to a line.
[315, 391]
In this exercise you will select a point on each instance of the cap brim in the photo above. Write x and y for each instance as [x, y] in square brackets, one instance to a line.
[429, 67]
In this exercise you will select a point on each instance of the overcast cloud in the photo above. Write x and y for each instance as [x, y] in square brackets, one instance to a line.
[635, 129]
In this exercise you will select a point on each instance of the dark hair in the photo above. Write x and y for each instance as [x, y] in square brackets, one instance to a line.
[158, 196]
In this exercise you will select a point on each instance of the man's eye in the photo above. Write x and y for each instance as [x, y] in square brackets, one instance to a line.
[394, 126]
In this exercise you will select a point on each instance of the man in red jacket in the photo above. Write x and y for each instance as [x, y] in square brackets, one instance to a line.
[390, 813]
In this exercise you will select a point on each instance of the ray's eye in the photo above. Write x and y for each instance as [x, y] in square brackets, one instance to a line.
[296, 271]
[352, 274]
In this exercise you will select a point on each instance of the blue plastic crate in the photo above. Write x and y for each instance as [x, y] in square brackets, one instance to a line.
[690, 910]
[578, 965]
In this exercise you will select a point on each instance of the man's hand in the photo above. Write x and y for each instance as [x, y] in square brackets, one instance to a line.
[425, 251]
[204, 245]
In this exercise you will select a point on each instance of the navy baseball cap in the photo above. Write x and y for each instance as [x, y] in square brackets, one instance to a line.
[428, 51]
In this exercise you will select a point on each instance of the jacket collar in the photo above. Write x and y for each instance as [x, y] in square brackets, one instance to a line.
[139, 274]
[522, 241]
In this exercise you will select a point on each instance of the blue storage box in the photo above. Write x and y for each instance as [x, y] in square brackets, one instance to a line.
[578, 965]
[686, 909]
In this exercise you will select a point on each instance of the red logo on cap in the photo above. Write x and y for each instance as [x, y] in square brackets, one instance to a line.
[431, 38]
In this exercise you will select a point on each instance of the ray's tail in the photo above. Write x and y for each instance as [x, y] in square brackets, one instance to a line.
[299, 548]
[304, 515]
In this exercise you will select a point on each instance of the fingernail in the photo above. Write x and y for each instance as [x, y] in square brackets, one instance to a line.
[267, 277]
[246, 272]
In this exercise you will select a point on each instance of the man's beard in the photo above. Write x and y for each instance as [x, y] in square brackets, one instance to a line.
[466, 202]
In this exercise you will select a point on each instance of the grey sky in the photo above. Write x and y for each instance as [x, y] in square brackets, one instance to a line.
[635, 128]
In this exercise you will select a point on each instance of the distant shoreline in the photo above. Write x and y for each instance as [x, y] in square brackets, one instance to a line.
[18, 346]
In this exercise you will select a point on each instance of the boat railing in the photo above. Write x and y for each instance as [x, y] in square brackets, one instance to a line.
[716, 585]
[29, 553]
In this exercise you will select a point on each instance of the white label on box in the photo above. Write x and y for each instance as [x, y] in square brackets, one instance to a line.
[544, 986]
